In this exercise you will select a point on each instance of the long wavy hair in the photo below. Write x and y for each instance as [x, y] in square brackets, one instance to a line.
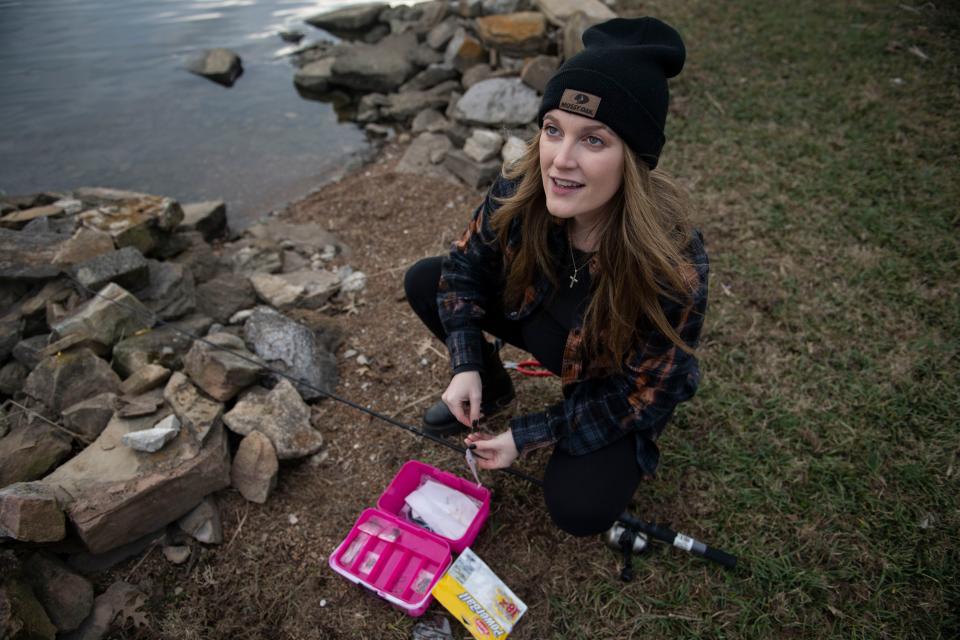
[642, 239]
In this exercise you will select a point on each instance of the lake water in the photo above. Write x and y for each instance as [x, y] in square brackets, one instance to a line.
[94, 93]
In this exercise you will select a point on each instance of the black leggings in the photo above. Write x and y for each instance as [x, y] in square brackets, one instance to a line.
[584, 494]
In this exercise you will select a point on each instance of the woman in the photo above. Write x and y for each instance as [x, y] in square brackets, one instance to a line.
[582, 255]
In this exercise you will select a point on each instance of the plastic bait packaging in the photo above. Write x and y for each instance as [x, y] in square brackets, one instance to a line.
[441, 508]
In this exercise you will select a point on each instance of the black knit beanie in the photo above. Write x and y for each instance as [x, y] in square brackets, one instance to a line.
[620, 79]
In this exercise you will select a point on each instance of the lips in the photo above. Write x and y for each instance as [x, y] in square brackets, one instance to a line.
[563, 187]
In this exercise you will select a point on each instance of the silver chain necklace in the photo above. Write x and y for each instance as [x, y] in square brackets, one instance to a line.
[573, 260]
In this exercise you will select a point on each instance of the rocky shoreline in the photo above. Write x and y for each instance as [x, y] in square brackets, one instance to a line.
[118, 426]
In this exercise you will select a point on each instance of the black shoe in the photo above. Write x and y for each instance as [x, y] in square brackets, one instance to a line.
[497, 395]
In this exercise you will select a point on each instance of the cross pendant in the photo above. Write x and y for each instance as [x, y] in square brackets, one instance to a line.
[573, 280]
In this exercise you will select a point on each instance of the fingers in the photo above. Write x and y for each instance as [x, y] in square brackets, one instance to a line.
[475, 395]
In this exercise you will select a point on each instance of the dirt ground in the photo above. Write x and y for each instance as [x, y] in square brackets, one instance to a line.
[270, 579]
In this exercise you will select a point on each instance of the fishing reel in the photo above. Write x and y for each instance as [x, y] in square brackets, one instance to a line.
[629, 541]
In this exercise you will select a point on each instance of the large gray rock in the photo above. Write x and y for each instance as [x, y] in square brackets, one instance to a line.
[559, 11]
[440, 35]
[353, 18]
[220, 65]
[209, 218]
[281, 415]
[429, 120]
[196, 413]
[11, 330]
[474, 174]
[132, 219]
[223, 370]
[29, 451]
[66, 597]
[120, 597]
[171, 293]
[89, 417]
[261, 255]
[292, 348]
[513, 149]
[29, 351]
[199, 258]
[64, 380]
[203, 523]
[404, 106]
[29, 255]
[111, 315]
[314, 77]
[305, 237]
[498, 101]
[255, 468]
[483, 145]
[127, 267]
[382, 67]
[224, 295]
[144, 379]
[30, 512]
[164, 345]
[538, 70]
[115, 495]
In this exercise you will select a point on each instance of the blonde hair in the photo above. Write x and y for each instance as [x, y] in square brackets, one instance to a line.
[640, 255]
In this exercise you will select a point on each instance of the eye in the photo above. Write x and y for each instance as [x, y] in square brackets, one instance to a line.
[594, 141]
[551, 130]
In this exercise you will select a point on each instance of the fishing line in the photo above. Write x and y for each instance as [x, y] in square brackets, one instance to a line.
[156, 322]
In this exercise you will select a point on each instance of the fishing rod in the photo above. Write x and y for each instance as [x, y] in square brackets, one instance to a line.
[629, 538]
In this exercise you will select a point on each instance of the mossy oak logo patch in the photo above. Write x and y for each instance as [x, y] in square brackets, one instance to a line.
[584, 104]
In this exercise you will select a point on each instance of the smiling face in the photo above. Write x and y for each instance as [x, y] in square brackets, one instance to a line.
[581, 162]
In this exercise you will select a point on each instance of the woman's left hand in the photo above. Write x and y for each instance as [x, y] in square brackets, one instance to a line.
[499, 451]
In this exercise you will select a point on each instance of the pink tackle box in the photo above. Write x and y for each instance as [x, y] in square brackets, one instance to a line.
[395, 558]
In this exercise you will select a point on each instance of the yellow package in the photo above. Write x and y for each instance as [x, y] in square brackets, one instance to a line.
[478, 598]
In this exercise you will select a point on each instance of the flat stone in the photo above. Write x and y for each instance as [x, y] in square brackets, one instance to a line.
[29, 255]
[404, 106]
[518, 33]
[209, 218]
[126, 267]
[475, 74]
[21, 615]
[153, 439]
[305, 237]
[85, 244]
[89, 417]
[498, 101]
[93, 563]
[171, 292]
[416, 158]
[146, 404]
[132, 219]
[62, 381]
[314, 77]
[111, 315]
[66, 596]
[116, 495]
[464, 51]
[440, 35]
[257, 256]
[119, 598]
[538, 70]
[430, 77]
[29, 512]
[19, 218]
[197, 414]
[483, 145]
[224, 295]
[429, 120]
[281, 415]
[381, 67]
[144, 379]
[28, 351]
[276, 291]
[559, 11]
[164, 345]
[318, 286]
[353, 18]
[470, 8]
[255, 468]
[199, 258]
[220, 373]
[29, 451]
[203, 523]
[471, 172]
[220, 65]
[293, 349]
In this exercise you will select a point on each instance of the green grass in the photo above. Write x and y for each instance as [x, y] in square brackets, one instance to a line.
[822, 448]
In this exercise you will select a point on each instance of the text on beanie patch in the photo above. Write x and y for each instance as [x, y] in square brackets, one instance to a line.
[584, 104]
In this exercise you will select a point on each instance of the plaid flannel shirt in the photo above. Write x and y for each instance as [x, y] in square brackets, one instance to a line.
[598, 407]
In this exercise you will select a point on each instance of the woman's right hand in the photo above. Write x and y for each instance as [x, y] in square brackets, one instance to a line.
[463, 397]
